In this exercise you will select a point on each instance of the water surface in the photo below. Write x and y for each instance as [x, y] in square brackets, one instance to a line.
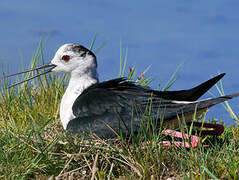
[202, 34]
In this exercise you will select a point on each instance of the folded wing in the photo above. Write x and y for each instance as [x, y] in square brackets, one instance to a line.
[119, 103]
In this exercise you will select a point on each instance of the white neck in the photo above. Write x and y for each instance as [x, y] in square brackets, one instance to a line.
[77, 84]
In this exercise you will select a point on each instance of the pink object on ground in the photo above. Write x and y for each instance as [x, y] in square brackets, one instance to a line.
[194, 139]
[215, 130]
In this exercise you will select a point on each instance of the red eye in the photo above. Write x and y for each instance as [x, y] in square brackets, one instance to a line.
[65, 58]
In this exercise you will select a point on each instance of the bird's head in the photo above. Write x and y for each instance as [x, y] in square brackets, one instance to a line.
[71, 58]
[74, 59]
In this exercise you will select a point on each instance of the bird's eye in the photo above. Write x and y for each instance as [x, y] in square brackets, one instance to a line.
[65, 58]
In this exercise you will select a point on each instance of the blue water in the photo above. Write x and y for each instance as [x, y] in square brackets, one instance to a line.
[202, 34]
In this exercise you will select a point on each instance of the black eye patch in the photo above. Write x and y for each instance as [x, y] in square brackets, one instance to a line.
[82, 50]
[83, 54]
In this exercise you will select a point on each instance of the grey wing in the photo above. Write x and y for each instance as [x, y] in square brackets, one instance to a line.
[109, 104]
[119, 104]
[100, 110]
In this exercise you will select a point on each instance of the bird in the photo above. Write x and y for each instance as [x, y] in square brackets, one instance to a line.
[119, 105]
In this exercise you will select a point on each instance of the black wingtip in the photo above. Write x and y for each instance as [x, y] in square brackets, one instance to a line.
[194, 93]
[201, 89]
[220, 75]
[204, 87]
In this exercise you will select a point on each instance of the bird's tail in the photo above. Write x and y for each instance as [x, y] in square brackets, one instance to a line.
[207, 103]
[190, 108]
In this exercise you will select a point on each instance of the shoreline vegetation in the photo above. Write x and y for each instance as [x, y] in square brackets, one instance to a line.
[33, 144]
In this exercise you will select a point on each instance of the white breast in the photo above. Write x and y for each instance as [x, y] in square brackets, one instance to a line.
[67, 102]
[75, 88]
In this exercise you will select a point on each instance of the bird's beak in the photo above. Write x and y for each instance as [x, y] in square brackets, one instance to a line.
[50, 66]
